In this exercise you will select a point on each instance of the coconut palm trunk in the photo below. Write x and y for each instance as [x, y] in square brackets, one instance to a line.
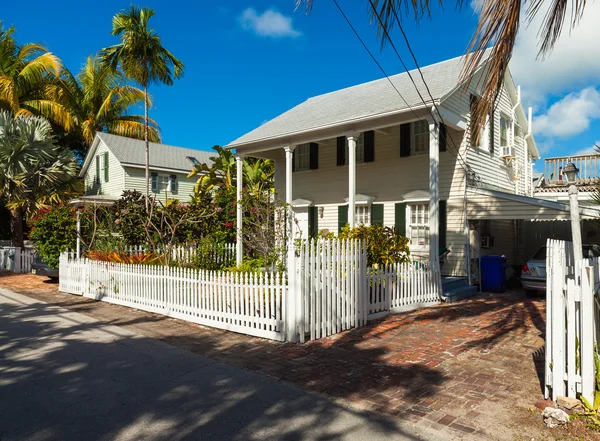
[16, 227]
[147, 145]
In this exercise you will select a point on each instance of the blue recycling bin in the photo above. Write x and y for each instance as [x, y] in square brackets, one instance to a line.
[493, 273]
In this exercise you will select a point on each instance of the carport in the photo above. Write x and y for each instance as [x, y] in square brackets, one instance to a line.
[502, 223]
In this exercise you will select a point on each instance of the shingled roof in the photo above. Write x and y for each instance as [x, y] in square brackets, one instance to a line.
[131, 152]
[364, 100]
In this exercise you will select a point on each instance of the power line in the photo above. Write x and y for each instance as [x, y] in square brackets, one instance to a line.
[379, 65]
[458, 155]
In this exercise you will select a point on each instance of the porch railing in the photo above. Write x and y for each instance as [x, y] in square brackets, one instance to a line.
[588, 165]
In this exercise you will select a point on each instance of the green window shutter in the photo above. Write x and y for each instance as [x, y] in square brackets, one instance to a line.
[314, 156]
[377, 214]
[174, 184]
[154, 181]
[443, 223]
[341, 150]
[342, 217]
[294, 160]
[313, 222]
[405, 139]
[400, 218]
[97, 177]
[369, 143]
[442, 137]
[105, 166]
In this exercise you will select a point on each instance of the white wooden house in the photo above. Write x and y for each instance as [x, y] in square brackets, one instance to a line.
[400, 157]
[116, 163]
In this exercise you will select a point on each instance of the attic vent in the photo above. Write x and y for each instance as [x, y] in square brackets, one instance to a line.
[193, 161]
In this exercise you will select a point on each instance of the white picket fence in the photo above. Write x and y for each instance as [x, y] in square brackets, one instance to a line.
[572, 318]
[16, 259]
[187, 254]
[252, 304]
[331, 291]
[338, 292]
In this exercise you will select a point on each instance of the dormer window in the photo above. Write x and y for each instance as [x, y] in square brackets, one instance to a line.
[194, 161]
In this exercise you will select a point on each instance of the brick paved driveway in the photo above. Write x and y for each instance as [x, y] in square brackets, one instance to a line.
[460, 367]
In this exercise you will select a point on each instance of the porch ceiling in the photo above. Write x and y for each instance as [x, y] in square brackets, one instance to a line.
[492, 204]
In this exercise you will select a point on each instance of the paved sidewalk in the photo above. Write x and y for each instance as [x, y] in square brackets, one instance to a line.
[467, 369]
[65, 376]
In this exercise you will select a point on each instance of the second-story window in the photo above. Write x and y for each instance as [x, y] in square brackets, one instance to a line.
[420, 138]
[302, 157]
[360, 149]
[504, 131]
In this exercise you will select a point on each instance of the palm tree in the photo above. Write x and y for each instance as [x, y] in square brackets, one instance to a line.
[25, 73]
[99, 100]
[142, 58]
[34, 171]
[499, 22]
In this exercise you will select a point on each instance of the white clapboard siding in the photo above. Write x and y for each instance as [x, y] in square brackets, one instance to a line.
[572, 311]
[249, 303]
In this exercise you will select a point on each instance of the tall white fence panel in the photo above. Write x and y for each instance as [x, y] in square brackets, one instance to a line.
[17, 259]
[572, 314]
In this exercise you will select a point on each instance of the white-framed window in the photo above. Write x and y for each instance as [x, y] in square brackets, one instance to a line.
[360, 149]
[363, 214]
[483, 135]
[420, 138]
[505, 124]
[162, 183]
[302, 157]
[418, 224]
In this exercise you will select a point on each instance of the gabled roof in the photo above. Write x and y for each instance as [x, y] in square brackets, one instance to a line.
[131, 152]
[353, 103]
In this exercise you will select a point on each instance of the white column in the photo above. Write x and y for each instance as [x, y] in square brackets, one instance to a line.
[352, 137]
[239, 244]
[434, 194]
[293, 295]
[575, 223]
[78, 248]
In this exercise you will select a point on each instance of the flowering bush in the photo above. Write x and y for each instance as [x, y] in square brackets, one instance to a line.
[384, 246]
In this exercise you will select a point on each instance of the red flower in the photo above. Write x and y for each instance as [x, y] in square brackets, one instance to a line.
[229, 224]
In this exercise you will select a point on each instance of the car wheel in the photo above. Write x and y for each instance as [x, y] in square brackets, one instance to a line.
[531, 293]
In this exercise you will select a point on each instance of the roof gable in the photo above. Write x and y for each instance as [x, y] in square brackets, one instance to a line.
[131, 152]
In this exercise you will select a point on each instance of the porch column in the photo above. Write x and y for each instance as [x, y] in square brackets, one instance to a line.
[434, 193]
[239, 242]
[78, 247]
[352, 137]
[293, 295]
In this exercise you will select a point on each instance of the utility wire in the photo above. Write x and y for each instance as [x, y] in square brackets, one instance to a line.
[387, 35]
[379, 65]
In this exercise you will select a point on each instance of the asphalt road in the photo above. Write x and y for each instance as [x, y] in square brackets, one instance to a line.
[66, 376]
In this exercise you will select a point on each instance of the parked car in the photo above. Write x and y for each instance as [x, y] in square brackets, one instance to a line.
[533, 273]
[40, 268]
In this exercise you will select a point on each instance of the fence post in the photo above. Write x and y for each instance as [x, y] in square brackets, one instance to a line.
[587, 310]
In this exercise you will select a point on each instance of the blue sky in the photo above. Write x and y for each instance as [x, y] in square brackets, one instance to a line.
[247, 62]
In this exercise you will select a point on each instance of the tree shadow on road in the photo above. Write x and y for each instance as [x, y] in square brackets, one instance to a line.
[68, 377]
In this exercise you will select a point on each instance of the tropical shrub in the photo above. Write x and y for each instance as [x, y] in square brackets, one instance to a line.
[53, 230]
[384, 245]
[130, 216]
[123, 257]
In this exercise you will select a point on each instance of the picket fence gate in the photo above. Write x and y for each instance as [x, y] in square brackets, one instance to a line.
[252, 304]
[572, 314]
[339, 292]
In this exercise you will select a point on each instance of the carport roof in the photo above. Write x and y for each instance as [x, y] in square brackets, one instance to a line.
[492, 204]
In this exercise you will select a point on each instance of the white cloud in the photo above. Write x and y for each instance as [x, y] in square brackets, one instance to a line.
[588, 150]
[571, 115]
[268, 24]
[572, 64]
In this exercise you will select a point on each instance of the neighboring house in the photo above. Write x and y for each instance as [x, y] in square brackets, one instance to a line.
[552, 185]
[404, 163]
[116, 163]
